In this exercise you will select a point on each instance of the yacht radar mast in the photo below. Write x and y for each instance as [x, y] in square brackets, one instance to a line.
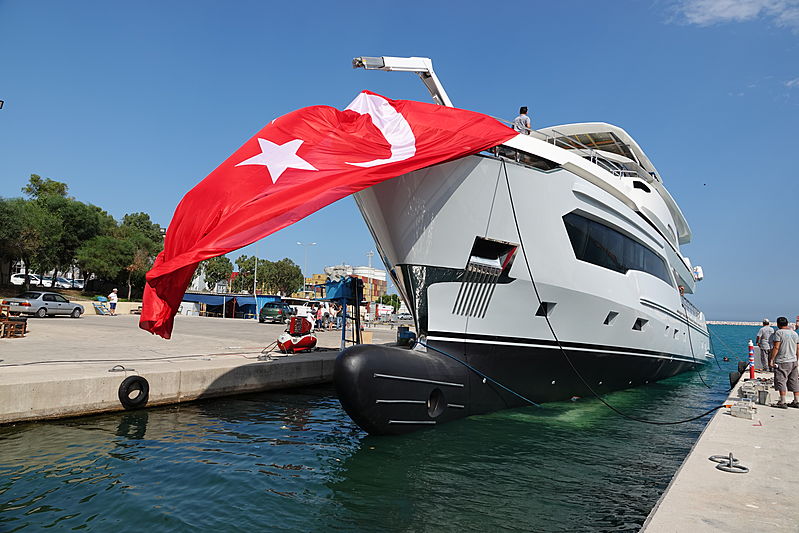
[422, 66]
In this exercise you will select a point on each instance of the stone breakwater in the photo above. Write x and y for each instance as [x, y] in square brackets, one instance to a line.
[730, 323]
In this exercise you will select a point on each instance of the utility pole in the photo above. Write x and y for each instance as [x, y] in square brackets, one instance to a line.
[371, 294]
[255, 282]
[305, 264]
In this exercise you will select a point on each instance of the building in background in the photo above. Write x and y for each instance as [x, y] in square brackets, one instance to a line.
[374, 282]
[314, 287]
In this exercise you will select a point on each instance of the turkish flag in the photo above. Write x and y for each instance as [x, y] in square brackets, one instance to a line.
[296, 165]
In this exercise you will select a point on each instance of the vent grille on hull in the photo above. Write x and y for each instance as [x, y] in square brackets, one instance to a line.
[487, 262]
[477, 288]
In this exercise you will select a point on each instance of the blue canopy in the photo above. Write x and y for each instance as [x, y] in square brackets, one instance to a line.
[241, 299]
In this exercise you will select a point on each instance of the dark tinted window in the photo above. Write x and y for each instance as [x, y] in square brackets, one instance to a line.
[49, 298]
[59, 298]
[600, 245]
[29, 295]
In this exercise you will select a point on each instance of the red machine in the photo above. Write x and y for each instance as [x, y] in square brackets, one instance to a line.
[297, 337]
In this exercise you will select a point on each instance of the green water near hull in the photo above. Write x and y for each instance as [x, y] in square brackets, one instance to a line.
[294, 461]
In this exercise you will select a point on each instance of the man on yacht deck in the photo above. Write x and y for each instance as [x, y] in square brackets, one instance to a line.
[522, 122]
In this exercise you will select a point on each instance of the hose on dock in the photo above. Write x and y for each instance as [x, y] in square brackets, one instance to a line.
[560, 346]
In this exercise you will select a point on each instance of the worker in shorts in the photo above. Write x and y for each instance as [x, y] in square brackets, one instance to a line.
[783, 359]
[112, 302]
[763, 343]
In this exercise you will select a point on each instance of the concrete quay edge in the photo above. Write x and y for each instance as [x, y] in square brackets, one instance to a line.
[701, 498]
[69, 390]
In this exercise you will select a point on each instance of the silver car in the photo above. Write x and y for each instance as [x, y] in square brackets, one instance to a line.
[42, 304]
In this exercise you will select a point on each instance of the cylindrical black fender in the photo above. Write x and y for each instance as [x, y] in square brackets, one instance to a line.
[131, 385]
[734, 377]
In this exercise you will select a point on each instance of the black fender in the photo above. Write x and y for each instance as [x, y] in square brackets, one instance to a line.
[130, 385]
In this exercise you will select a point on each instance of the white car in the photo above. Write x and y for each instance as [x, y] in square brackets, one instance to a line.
[63, 283]
[19, 279]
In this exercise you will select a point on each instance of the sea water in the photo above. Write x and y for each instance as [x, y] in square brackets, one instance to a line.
[294, 461]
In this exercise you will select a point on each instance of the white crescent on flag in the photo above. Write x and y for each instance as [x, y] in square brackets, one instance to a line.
[391, 124]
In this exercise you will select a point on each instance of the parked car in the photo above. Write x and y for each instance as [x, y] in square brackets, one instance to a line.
[404, 317]
[62, 283]
[47, 281]
[41, 304]
[275, 312]
[76, 283]
[19, 279]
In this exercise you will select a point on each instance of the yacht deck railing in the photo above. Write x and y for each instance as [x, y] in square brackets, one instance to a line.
[691, 309]
[614, 167]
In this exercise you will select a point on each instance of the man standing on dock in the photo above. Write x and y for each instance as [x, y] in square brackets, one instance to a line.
[783, 359]
[763, 342]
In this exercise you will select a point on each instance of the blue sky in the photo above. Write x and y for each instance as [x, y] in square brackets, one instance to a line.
[133, 103]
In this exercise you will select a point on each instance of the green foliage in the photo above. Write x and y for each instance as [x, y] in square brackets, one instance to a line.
[105, 256]
[283, 277]
[28, 232]
[79, 222]
[216, 269]
[142, 223]
[39, 187]
[392, 300]
[243, 282]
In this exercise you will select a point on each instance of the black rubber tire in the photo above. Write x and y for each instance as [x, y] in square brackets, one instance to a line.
[131, 384]
[41, 312]
[742, 366]
[75, 313]
[261, 320]
[734, 377]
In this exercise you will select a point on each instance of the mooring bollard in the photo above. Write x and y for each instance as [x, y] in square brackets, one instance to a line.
[751, 360]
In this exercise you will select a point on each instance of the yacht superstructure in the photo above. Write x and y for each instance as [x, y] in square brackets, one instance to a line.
[550, 263]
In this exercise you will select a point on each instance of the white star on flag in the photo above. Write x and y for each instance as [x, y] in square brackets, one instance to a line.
[278, 157]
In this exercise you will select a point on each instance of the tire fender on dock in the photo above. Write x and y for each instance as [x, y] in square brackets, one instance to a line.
[130, 385]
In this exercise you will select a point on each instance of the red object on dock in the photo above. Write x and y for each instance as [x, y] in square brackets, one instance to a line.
[751, 360]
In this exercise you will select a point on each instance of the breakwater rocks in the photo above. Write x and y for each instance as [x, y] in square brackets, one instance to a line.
[731, 323]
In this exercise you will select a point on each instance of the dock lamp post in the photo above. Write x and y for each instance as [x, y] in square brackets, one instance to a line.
[305, 263]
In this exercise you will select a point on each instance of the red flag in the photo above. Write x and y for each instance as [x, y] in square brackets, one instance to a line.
[293, 167]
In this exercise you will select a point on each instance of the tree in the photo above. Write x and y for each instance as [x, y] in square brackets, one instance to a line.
[282, 277]
[392, 300]
[27, 231]
[139, 266]
[244, 281]
[216, 269]
[38, 187]
[274, 277]
[105, 256]
[142, 222]
[79, 222]
[145, 240]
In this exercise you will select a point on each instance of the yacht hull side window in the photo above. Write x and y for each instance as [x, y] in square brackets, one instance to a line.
[603, 246]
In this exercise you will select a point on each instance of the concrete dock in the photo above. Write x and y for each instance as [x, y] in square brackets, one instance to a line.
[701, 498]
[69, 367]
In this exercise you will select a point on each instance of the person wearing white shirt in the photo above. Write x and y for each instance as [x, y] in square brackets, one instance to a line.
[112, 302]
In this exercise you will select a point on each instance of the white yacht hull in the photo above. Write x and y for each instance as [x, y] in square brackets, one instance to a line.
[611, 329]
